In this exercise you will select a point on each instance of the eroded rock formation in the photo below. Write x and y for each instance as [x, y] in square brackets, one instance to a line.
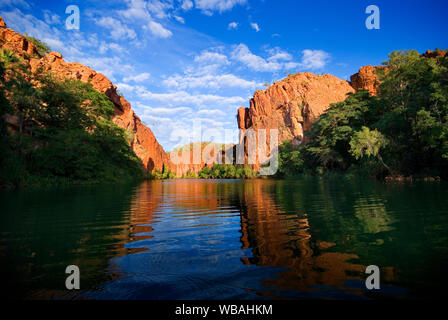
[366, 79]
[144, 143]
[292, 105]
[434, 54]
[195, 156]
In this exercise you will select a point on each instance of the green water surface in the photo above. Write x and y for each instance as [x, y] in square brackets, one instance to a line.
[226, 239]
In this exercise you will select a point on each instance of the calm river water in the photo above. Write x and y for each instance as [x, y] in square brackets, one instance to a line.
[226, 239]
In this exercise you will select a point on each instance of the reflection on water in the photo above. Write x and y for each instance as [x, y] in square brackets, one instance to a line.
[228, 239]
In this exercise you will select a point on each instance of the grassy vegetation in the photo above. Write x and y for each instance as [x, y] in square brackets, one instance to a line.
[42, 47]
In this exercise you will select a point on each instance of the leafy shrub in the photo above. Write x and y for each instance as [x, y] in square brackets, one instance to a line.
[403, 130]
[227, 172]
[41, 46]
[165, 174]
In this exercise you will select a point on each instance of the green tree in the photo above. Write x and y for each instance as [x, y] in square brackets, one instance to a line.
[64, 133]
[291, 159]
[410, 112]
[367, 143]
[330, 135]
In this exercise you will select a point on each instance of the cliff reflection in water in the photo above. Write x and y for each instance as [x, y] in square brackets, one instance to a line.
[284, 240]
[226, 239]
[202, 217]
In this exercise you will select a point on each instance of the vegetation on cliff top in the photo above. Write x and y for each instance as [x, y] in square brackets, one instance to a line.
[401, 131]
[60, 131]
[41, 47]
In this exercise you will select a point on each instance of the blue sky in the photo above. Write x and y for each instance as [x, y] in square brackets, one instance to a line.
[184, 62]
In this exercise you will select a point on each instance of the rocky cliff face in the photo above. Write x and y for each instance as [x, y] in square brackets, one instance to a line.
[366, 79]
[292, 105]
[144, 143]
[200, 155]
[434, 54]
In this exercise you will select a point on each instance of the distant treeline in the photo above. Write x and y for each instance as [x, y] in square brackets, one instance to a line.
[217, 171]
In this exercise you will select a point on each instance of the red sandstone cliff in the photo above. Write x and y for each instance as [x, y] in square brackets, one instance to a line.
[292, 105]
[366, 79]
[199, 155]
[144, 143]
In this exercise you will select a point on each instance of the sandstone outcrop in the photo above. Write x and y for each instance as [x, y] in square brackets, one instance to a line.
[195, 156]
[366, 79]
[144, 143]
[434, 54]
[292, 105]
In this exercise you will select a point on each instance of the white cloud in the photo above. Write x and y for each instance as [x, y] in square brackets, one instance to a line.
[278, 59]
[187, 5]
[164, 111]
[105, 46]
[185, 98]
[232, 26]
[211, 112]
[215, 124]
[142, 10]
[51, 18]
[255, 26]
[136, 10]
[291, 65]
[153, 119]
[314, 59]
[208, 6]
[277, 54]
[21, 22]
[137, 78]
[179, 19]
[211, 57]
[117, 29]
[125, 87]
[15, 3]
[158, 30]
[159, 9]
[209, 81]
[55, 44]
[242, 54]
